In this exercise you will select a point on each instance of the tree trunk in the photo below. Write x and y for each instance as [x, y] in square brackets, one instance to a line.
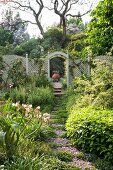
[40, 27]
[64, 30]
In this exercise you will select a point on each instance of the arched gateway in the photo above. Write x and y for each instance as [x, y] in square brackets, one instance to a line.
[62, 55]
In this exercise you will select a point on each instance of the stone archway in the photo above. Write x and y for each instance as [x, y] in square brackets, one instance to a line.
[62, 55]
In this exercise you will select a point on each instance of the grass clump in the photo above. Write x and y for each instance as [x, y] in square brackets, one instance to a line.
[64, 156]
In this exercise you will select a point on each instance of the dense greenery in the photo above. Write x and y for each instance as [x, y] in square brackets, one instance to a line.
[90, 104]
[5, 37]
[87, 108]
[28, 47]
[100, 32]
[91, 129]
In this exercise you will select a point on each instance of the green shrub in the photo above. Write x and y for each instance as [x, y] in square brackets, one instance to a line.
[42, 81]
[39, 81]
[44, 133]
[104, 99]
[41, 97]
[98, 91]
[18, 94]
[17, 73]
[36, 96]
[92, 130]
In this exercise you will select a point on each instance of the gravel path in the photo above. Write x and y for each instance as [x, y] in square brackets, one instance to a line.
[64, 144]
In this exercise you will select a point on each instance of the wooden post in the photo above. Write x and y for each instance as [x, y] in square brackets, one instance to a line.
[48, 68]
[26, 63]
[89, 65]
[67, 71]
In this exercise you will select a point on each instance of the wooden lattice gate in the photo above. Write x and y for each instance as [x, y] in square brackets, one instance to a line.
[61, 55]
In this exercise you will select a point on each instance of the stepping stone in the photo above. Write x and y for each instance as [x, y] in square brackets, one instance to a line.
[82, 164]
[57, 125]
[53, 120]
[59, 132]
[61, 141]
[57, 85]
[53, 116]
[55, 111]
[71, 149]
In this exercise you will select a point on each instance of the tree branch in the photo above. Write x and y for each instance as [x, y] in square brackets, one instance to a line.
[24, 7]
[79, 15]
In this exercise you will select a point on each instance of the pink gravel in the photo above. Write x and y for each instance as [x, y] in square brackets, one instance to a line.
[61, 141]
[59, 132]
[70, 149]
[82, 164]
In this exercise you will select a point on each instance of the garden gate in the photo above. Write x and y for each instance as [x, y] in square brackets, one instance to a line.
[61, 55]
[73, 67]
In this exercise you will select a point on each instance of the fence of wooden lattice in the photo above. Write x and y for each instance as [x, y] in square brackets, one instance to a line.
[77, 67]
[30, 65]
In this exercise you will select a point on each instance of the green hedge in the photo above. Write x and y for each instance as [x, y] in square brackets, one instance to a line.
[92, 130]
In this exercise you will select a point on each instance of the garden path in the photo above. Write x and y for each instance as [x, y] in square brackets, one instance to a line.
[64, 144]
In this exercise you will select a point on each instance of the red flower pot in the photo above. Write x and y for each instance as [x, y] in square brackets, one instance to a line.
[56, 76]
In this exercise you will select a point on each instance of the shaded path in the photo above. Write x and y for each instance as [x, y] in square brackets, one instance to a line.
[63, 143]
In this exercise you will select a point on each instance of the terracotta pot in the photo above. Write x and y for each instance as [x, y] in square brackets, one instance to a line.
[56, 76]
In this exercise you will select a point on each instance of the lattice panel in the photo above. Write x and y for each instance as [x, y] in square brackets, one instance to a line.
[46, 66]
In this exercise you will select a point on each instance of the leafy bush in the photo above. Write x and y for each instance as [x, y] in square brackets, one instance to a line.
[98, 91]
[44, 133]
[27, 47]
[41, 97]
[92, 130]
[41, 81]
[18, 94]
[17, 73]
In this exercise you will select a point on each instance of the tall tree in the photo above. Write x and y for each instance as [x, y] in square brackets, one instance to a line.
[63, 8]
[19, 34]
[35, 7]
[100, 29]
[6, 37]
[15, 26]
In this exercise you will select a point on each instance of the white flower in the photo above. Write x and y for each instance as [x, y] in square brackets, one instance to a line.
[24, 105]
[40, 116]
[13, 104]
[17, 104]
[46, 115]
[30, 105]
[46, 119]
[38, 107]
[28, 109]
